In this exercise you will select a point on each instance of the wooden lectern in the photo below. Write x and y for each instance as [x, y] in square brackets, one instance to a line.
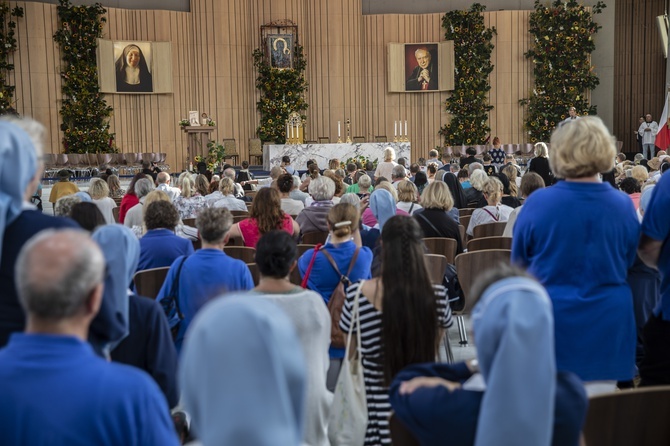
[198, 138]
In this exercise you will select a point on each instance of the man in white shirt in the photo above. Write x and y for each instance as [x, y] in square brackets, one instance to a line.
[647, 131]
[572, 116]
[163, 180]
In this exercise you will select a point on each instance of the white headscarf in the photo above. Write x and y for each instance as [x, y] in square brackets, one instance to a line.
[243, 374]
[514, 331]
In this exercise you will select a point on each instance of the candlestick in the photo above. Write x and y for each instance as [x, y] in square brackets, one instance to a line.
[348, 131]
[338, 129]
[291, 131]
[405, 129]
[395, 128]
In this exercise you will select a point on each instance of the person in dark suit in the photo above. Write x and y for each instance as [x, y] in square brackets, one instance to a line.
[424, 76]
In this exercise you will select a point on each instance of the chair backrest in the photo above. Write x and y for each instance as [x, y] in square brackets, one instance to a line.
[461, 230]
[359, 138]
[255, 147]
[149, 281]
[443, 246]
[465, 212]
[115, 213]
[255, 274]
[324, 139]
[189, 222]
[470, 266]
[381, 138]
[236, 212]
[313, 238]
[465, 221]
[436, 264]
[628, 417]
[494, 229]
[304, 247]
[480, 243]
[400, 435]
[242, 253]
[239, 218]
[250, 193]
[230, 146]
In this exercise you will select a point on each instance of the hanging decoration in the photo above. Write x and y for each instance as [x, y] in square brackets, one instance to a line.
[8, 46]
[469, 103]
[563, 36]
[85, 112]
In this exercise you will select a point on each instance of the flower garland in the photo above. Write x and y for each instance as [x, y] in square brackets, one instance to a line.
[84, 111]
[7, 47]
[282, 92]
[563, 36]
[469, 103]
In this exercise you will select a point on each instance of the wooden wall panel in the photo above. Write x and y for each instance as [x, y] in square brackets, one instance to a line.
[213, 72]
[639, 67]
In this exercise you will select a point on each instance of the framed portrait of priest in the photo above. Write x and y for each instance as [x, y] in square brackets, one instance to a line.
[421, 67]
[280, 51]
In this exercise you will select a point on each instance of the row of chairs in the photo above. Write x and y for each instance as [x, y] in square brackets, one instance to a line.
[84, 163]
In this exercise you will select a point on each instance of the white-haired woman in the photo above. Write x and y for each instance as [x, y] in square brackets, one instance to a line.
[99, 192]
[385, 168]
[474, 194]
[540, 164]
[494, 211]
[579, 238]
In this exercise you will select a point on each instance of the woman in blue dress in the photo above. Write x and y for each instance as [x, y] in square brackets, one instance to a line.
[579, 238]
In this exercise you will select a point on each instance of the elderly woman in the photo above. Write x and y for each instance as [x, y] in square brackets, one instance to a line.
[494, 211]
[434, 218]
[385, 168]
[313, 218]
[129, 200]
[540, 164]
[115, 190]
[582, 254]
[228, 200]
[99, 192]
[134, 217]
[526, 399]
[408, 197]
[132, 72]
[474, 194]
[265, 215]
[160, 246]
[363, 184]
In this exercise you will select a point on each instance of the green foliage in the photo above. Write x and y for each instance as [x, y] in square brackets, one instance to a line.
[84, 111]
[282, 93]
[563, 36]
[469, 104]
[7, 47]
[214, 157]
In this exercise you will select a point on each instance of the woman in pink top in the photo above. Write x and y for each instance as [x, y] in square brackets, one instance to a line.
[368, 216]
[631, 186]
[265, 215]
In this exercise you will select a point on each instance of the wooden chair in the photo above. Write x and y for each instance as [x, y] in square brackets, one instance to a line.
[255, 151]
[295, 277]
[629, 417]
[436, 264]
[323, 140]
[230, 147]
[461, 229]
[303, 248]
[236, 213]
[149, 281]
[465, 212]
[115, 213]
[197, 244]
[443, 246]
[381, 138]
[358, 139]
[470, 265]
[255, 274]
[400, 435]
[494, 229]
[241, 253]
[465, 221]
[478, 244]
[250, 193]
[314, 238]
[239, 218]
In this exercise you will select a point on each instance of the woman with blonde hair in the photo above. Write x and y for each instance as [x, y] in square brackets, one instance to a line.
[494, 211]
[540, 164]
[99, 192]
[114, 184]
[408, 197]
[385, 168]
[436, 218]
[191, 200]
[579, 238]
[265, 215]
[513, 176]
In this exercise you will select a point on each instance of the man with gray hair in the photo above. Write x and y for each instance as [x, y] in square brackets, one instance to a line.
[163, 180]
[50, 377]
[475, 166]
[397, 175]
[134, 216]
[230, 173]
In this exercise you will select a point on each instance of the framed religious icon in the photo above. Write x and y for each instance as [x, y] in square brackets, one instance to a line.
[421, 67]
[280, 51]
[194, 118]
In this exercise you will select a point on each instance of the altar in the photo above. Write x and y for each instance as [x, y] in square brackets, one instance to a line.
[322, 153]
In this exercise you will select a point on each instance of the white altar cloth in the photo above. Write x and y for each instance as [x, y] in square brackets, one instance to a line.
[322, 153]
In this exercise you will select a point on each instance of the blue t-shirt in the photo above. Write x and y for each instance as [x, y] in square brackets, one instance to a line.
[656, 225]
[578, 240]
[160, 247]
[205, 275]
[55, 390]
[323, 279]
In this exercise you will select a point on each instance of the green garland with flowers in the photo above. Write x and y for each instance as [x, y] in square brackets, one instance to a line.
[563, 34]
[469, 102]
[84, 111]
[8, 46]
[282, 93]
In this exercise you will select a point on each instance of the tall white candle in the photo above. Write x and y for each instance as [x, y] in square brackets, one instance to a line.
[405, 128]
[287, 130]
[291, 131]
[395, 128]
[338, 129]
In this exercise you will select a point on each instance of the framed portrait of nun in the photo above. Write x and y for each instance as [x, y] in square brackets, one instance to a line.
[133, 68]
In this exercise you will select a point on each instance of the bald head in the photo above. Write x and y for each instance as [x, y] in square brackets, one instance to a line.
[163, 178]
[56, 273]
[275, 172]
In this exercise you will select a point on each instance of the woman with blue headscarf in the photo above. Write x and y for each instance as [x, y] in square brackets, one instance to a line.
[243, 374]
[519, 399]
[20, 173]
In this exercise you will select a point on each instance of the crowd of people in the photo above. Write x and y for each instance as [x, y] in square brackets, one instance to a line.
[238, 358]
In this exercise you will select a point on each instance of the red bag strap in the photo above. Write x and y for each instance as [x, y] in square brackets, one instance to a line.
[311, 264]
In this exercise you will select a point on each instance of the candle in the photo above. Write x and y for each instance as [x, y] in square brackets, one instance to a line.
[395, 128]
[338, 129]
[405, 128]
[287, 130]
[291, 131]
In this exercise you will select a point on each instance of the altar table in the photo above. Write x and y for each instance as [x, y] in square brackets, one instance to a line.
[322, 153]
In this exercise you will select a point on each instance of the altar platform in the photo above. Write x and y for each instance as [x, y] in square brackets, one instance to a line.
[322, 153]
